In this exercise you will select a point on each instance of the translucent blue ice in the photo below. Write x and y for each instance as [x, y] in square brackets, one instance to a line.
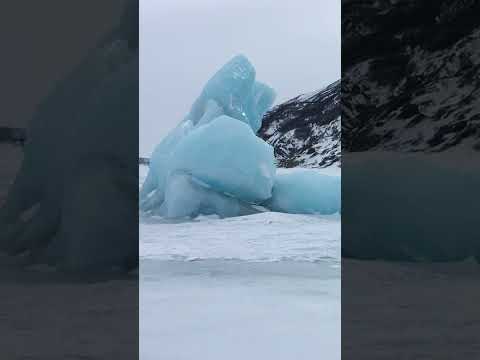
[152, 192]
[233, 91]
[216, 145]
[227, 156]
[305, 192]
[185, 196]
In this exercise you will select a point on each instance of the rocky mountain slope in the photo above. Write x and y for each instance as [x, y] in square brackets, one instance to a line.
[410, 75]
[305, 131]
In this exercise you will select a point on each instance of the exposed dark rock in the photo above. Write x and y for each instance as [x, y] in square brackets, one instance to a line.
[305, 131]
[410, 75]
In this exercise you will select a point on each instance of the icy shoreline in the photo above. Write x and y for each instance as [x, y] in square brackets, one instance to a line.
[230, 309]
[264, 237]
[263, 286]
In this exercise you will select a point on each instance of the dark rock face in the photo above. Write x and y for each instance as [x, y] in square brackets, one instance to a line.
[410, 75]
[305, 131]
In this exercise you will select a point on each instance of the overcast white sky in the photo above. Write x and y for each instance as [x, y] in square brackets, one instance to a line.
[294, 46]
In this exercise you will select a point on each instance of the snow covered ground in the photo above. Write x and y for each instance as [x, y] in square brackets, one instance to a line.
[219, 309]
[265, 237]
[264, 286]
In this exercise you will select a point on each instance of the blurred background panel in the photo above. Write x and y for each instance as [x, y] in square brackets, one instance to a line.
[47, 313]
[410, 201]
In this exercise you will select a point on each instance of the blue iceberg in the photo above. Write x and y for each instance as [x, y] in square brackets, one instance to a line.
[185, 196]
[227, 156]
[305, 192]
[233, 91]
[213, 162]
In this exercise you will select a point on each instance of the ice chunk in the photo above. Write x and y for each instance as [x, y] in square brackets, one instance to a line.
[212, 111]
[186, 196]
[155, 181]
[235, 93]
[229, 88]
[216, 145]
[260, 101]
[305, 192]
[226, 155]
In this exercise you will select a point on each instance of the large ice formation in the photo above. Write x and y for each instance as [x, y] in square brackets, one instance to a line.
[185, 196]
[233, 91]
[213, 162]
[73, 202]
[227, 156]
[214, 150]
[305, 192]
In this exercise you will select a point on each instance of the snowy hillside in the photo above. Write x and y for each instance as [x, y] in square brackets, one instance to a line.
[430, 102]
[305, 131]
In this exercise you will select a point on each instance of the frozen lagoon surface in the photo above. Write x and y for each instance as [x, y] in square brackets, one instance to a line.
[263, 286]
